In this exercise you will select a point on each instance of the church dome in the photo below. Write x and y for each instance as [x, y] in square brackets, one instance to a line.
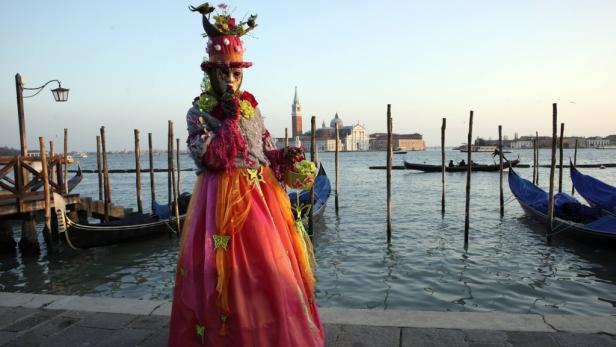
[336, 120]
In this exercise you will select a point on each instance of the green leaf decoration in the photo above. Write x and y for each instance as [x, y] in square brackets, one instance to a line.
[201, 333]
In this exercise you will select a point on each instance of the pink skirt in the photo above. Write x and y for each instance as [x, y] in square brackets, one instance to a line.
[248, 286]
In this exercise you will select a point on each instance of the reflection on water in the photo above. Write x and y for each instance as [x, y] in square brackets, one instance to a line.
[507, 267]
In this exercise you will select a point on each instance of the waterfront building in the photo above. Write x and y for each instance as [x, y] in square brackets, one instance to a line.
[521, 143]
[597, 141]
[407, 142]
[352, 137]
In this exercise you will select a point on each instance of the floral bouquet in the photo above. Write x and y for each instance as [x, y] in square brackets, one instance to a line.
[301, 175]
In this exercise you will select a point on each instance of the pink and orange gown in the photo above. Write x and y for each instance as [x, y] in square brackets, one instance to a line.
[245, 273]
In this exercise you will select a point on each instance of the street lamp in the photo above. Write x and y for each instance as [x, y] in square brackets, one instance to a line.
[59, 94]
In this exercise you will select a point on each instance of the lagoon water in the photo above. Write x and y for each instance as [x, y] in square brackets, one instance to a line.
[508, 266]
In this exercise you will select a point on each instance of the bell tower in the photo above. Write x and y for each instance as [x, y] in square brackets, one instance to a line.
[296, 117]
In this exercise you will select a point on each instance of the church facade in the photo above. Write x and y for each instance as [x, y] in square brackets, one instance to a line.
[352, 138]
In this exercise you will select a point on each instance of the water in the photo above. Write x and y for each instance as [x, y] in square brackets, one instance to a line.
[507, 267]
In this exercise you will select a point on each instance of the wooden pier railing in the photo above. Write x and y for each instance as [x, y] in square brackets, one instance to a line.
[21, 182]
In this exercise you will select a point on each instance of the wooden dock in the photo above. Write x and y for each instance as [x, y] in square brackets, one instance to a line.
[23, 197]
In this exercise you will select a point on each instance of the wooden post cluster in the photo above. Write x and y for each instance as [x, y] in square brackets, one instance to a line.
[151, 157]
[389, 164]
[560, 165]
[552, 169]
[337, 159]
[313, 158]
[469, 166]
[107, 190]
[443, 127]
[500, 161]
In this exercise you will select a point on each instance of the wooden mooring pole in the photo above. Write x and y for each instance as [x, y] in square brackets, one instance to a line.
[176, 211]
[50, 160]
[64, 180]
[469, 170]
[560, 164]
[98, 168]
[389, 163]
[500, 160]
[313, 158]
[107, 190]
[538, 146]
[46, 192]
[286, 137]
[443, 127]
[169, 164]
[552, 169]
[52, 177]
[534, 161]
[574, 163]
[337, 159]
[151, 157]
[177, 159]
[138, 171]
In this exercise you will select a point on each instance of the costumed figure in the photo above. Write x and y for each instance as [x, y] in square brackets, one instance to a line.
[245, 272]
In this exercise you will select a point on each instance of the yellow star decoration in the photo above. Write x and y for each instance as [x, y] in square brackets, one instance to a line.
[201, 332]
[255, 175]
[221, 241]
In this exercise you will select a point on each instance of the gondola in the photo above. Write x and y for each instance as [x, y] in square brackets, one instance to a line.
[71, 183]
[322, 191]
[133, 226]
[476, 167]
[570, 216]
[596, 192]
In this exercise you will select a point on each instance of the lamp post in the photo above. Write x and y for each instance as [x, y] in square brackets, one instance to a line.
[59, 94]
[29, 241]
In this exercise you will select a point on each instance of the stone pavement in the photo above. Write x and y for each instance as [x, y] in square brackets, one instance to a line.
[54, 320]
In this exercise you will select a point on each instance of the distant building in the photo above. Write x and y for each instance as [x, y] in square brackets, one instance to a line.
[597, 141]
[521, 143]
[352, 137]
[407, 142]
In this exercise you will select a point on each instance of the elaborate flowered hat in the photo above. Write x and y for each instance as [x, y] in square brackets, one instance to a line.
[224, 47]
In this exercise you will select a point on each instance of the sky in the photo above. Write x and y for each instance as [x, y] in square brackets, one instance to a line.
[135, 64]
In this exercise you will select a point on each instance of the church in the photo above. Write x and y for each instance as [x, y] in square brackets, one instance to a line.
[351, 137]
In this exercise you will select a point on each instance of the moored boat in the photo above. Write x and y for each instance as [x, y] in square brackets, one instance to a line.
[596, 192]
[570, 216]
[133, 226]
